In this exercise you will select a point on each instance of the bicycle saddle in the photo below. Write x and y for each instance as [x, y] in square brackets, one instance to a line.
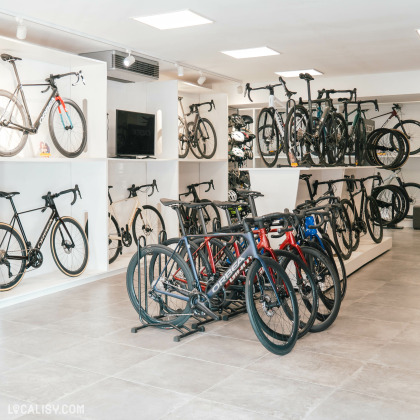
[193, 205]
[171, 203]
[228, 204]
[8, 195]
[244, 192]
[305, 76]
[8, 57]
[110, 186]
[305, 176]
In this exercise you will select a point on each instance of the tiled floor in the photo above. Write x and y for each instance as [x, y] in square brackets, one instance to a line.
[75, 347]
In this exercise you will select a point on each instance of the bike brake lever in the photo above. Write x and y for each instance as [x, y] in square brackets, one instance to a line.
[43, 91]
[77, 189]
[155, 185]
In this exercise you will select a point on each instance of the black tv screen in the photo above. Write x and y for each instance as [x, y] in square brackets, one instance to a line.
[135, 133]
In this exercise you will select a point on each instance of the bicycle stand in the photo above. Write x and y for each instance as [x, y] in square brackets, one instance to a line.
[394, 227]
[239, 308]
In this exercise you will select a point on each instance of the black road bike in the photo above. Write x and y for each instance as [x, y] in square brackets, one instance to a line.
[69, 245]
[67, 123]
[190, 216]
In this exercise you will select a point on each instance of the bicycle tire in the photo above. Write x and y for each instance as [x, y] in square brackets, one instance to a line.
[59, 239]
[393, 203]
[373, 220]
[210, 213]
[113, 249]
[267, 134]
[328, 288]
[162, 311]
[304, 287]
[183, 142]
[387, 148]
[411, 129]
[202, 145]
[343, 137]
[355, 232]
[11, 237]
[413, 191]
[21, 136]
[147, 222]
[63, 146]
[341, 227]
[276, 341]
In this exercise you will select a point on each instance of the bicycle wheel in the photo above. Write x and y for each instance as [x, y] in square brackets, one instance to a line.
[373, 220]
[342, 232]
[148, 222]
[167, 271]
[328, 287]
[68, 129]
[393, 203]
[411, 129]
[342, 137]
[205, 136]
[355, 232]
[11, 245]
[114, 239]
[272, 306]
[69, 246]
[11, 111]
[268, 137]
[328, 142]
[211, 215]
[387, 148]
[304, 287]
[183, 143]
[413, 192]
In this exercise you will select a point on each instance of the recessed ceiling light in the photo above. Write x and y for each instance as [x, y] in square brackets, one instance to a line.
[295, 73]
[251, 52]
[172, 20]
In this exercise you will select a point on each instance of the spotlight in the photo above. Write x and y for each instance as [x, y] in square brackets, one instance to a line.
[240, 89]
[129, 60]
[21, 29]
[180, 70]
[201, 79]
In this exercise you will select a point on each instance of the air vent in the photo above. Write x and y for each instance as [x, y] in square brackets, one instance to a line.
[141, 70]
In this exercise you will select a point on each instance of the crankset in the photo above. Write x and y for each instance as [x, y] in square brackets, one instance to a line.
[199, 303]
[126, 238]
[35, 258]
[219, 298]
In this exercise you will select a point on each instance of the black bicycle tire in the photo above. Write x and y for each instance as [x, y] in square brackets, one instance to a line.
[81, 269]
[258, 325]
[25, 123]
[57, 144]
[376, 219]
[118, 248]
[187, 143]
[343, 215]
[399, 204]
[348, 205]
[131, 281]
[137, 215]
[402, 122]
[276, 133]
[411, 203]
[23, 251]
[206, 155]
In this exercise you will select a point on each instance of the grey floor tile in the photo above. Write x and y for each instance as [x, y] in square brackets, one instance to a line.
[409, 334]
[399, 355]
[236, 328]
[220, 349]
[11, 360]
[269, 395]
[11, 408]
[113, 399]
[386, 382]
[101, 357]
[176, 373]
[42, 382]
[344, 405]
[10, 328]
[211, 410]
[322, 369]
[40, 342]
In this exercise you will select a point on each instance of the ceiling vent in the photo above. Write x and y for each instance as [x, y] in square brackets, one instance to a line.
[143, 69]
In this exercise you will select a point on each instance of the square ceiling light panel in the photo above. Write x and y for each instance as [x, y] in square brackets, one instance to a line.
[295, 73]
[251, 52]
[172, 20]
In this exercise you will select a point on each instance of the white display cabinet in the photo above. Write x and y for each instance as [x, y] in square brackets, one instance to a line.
[283, 189]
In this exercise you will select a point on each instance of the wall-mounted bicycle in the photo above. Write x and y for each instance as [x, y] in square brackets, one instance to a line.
[67, 123]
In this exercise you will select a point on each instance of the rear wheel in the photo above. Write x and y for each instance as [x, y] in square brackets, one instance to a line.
[206, 138]
[342, 232]
[413, 192]
[114, 239]
[373, 220]
[411, 129]
[355, 232]
[11, 245]
[393, 203]
[268, 138]
[148, 222]
[183, 143]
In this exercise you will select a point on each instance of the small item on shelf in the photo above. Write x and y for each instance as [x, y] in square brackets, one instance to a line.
[44, 149]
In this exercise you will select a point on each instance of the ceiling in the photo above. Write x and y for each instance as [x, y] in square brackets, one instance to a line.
[335, 37]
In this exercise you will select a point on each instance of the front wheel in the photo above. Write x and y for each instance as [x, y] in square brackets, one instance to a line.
[373, 220]
[205, 136]
[411, 129]
[68, 128]
[148, 222]
[11, 112]
[69, 246]
[272, 306]
[183, 139]
[268, 138]
[413, 192]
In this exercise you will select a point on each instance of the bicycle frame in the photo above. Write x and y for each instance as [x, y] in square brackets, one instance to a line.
[112, 211]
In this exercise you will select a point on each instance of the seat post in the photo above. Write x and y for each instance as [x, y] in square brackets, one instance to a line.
[251, 203]
[202, 222]
[181, 223]
[229, 220]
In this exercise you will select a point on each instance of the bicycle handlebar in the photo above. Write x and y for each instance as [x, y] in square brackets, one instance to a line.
[288, 92]
[328, 92]
[133, 189]
[50, 197]
[358, 103]
[194, 107]
[210, 184]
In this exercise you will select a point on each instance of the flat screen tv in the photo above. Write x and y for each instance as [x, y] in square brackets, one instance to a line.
[135, 134]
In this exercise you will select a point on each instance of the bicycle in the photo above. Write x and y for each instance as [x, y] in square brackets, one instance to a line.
[367, 218]
[68, 242]
[410, 128]
[270, 132]
[67, 124]
[143, 220]
[198, 134]
[190, 216]
[167, 292]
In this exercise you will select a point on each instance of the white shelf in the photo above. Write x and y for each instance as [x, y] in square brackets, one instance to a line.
[49, 160]
[190, 160]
